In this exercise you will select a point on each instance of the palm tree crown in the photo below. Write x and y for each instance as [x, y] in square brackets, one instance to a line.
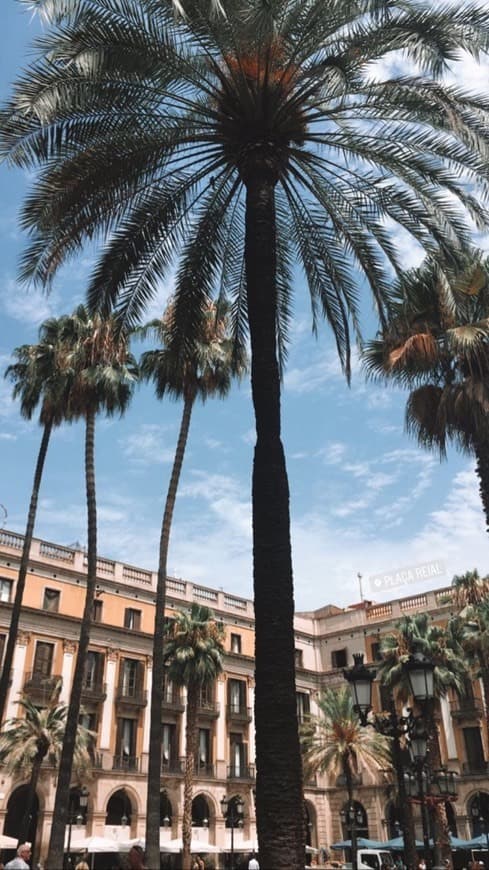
[194, 648]
[159, 141]
[335, 742]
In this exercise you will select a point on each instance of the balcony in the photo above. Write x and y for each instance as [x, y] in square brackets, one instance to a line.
[475, 769]
[172, 700]
[238, 713]
[204, 770]
[208, 709]
[132, 696]
[465, 707]
[241, 771]
[127, 762]
[40, 686]
[172, 767]
[94, 690]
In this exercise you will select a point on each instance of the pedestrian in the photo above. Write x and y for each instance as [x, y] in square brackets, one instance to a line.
[253, 863]
[82, 865]
[20, 862]
[422, 864]
[136, 858]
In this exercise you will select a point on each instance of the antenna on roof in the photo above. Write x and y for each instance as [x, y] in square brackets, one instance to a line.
[359, 576]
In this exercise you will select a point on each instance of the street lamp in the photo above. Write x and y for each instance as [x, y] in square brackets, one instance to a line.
[77, 817]
[352, 818]
[476, 815]
[232, 811]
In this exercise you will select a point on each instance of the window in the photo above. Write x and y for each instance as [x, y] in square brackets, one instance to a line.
[206, 697]
[88, 721]
[132, 619]
[97, 610]
[169, 693]
[203, 759]
[94, 668]
[50, 600]
[131, 678]
[303, 706]
[237, 753]
[375, 653]
[168, 746]
[43, 659]
[2, 646]
[473, 750]
[5, 590]
[299, 658]
[237, 696]
[126, 742]
[236, 643]
[338, 658]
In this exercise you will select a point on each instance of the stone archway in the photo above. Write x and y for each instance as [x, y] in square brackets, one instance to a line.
[15, 814]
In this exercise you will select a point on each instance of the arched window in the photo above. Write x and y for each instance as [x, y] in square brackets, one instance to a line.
[478, 813]
[119, 809]
[15, 814]
[200, 812]
[166, 812]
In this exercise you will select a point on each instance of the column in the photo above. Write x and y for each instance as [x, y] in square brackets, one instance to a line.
[147, 709]
[69, 650]
[251, 729]
[107, 712]
[18, 673]
[448, 728]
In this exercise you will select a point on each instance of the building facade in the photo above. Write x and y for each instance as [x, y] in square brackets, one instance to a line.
[118, 686]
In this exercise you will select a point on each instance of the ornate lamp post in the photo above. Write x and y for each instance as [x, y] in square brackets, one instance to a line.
[351, 819]
[77, 817]
[232, 811]
[420, 673]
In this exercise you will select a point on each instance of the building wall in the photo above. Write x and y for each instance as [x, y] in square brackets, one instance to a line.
[326, 640]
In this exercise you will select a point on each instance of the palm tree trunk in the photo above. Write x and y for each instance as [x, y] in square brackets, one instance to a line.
[26, 820]
[406, 815]
[350, 824]
[437, 812]
[279, 796]
[24, 564]
[188, 786]
[155, 731]
[484, 673]
[482, 470]
[61, 804]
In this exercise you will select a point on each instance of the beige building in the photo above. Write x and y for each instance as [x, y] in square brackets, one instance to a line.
[118, 685]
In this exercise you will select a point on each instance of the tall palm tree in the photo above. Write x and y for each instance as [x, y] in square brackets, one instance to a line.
[418, 634]
[39, 380]
[335, 742]
[470, 589]
[26, 741]
[207, 371]
[231, 141]
[103, 374]
[193, 654]
[442, 354]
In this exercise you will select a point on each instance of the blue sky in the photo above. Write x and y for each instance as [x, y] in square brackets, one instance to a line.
[364, 498]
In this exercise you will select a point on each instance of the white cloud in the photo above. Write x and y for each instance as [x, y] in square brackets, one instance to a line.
[30, 307]
[148, 444]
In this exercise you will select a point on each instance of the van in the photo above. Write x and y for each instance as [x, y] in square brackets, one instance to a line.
[372, 859]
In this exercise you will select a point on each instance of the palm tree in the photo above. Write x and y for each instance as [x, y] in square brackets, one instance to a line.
[418, 634]
[470, 589]
[103, 378]
[193, 654]
[26, 741]
[207, 372]
[335, 743]
[229, 142]
[443, 356]
[38, 379]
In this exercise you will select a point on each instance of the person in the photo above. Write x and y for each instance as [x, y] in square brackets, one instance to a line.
[422, 864]
[201, 863]
[136, 858]
[82, 865]
[196, 865]
[20, 862]
[253, 863]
